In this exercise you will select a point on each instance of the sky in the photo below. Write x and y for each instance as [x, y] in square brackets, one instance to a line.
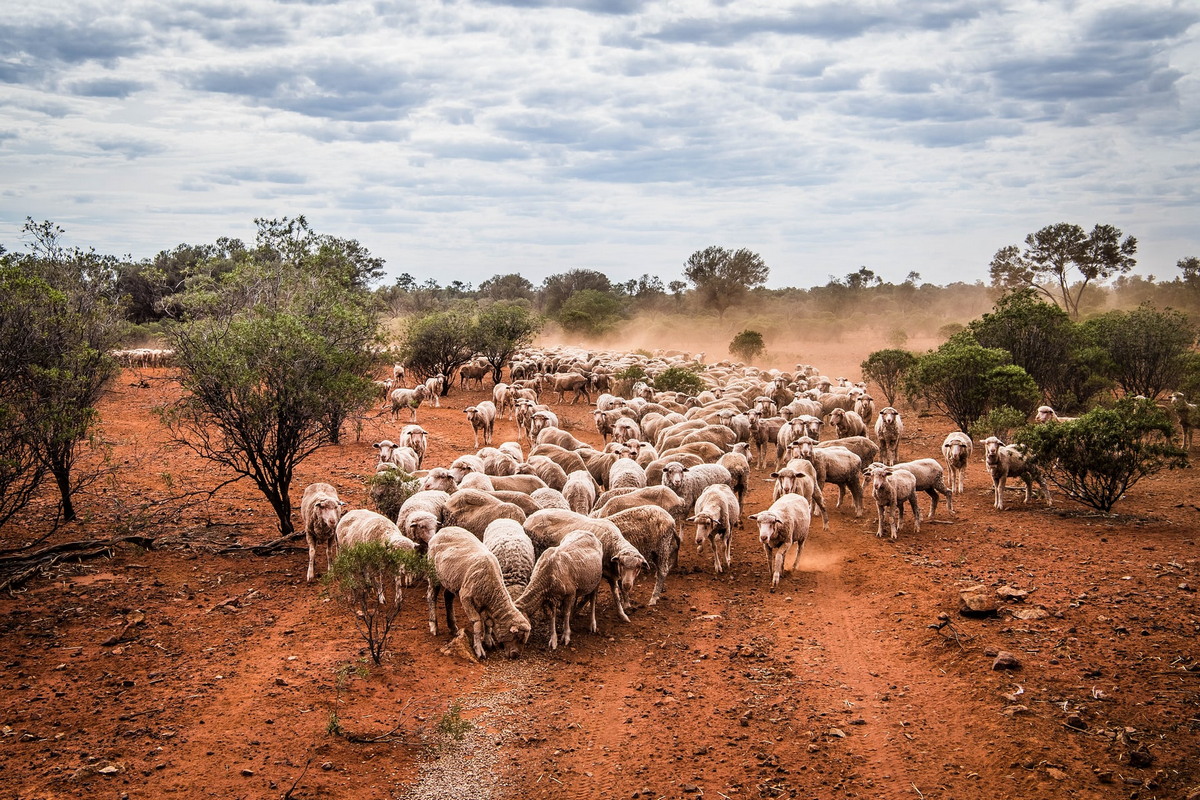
[461, 140]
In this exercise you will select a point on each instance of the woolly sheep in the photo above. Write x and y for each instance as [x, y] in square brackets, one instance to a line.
[404, 458]
[737, 461]
[847, 423]
[1047, 414]
[417, 438]
[929, 475]
[888, 430]
[475, 510]
[362, 526]
[716, 511]
[567, 574]
[957, 449]
[1005, 461]
[549, 497]
[580, 491]
[626, 473]
[837, 465]
[653, 532]
[800, 477]
[689, 482]
[661, 496]
[893, 487]
[781, 526]
[483, 419]
[513, 549]
[408, 398]
[439, 479]
[544, 467]
[320, 510]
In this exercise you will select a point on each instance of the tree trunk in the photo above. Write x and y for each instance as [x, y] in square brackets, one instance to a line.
[62, 477]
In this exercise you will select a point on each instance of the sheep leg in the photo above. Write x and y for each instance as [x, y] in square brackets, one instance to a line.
[568, 604]
[881, 511]
[312, 555]
[716, 548]
[856, 493]
[477, 627]
[912, 499]
[431, 595]
[616, 590]
[591, 601]
[777, 556]
[450, 623]
[728, 547]
[933, 496]
[552, 607]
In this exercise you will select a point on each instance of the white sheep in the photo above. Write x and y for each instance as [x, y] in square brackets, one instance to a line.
[1005, 461]
[929, 475]
[847, 423]
[837, 465]
[689, 482]
[580, 491]
[567, 574]
[893, 487]
[440, 479]
[716, 511]
[483, 419]
[957, 449]
[653, 532]
[888, 430]
[361, 526]
[625, 473]
[320, 510]
[408, 398]
[391, 454]
[799, 476]
[417, 438]
[513, 549]
[475, 510]
[781, 526]
[549, 497]
[433, 390]
[1047, 414]
[465, 569]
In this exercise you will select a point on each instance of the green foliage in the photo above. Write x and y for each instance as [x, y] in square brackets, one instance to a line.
[502, 330]
[365, 580]
[438, 344]
[954, 378]
[507, 287]
[722, 277]
[591, 312]
[389, 489]
[999, 422]
[679, 379]
[1101, 455]
[897, 337]
[1147, 349]
[1039, 336]
[1009, 385]
[272, 362]
[747, 345]
[634, 372]
[558, 289]
[451, 724]
[887, 369]
[59, 320]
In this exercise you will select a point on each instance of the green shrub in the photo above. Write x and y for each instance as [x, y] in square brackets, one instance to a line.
[999, 422]
[389, 489]
[887, 369]
[364, 579]
[747, 345]
[679, 379]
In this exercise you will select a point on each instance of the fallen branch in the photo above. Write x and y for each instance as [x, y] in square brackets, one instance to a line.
[19, 569]
[273, 546]
[288, 794]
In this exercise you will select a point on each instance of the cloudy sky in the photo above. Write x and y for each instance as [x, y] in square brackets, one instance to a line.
[459, 140]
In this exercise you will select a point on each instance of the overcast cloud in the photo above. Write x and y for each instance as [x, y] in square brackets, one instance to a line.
[459, 140]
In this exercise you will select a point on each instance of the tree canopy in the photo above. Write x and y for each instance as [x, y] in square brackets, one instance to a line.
[722, 277]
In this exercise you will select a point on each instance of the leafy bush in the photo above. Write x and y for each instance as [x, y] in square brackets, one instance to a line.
[999, 422]
[1098, 457]
[747, 345]
[389, 489]
[363, 574]
[679, 379]
[452, 725]
[964, 380]
[1009, 385]
[887, 368]
[591, 312]
[1147, 348]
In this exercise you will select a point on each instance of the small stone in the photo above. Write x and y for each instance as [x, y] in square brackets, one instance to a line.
[838, 732]
[109, 770]
[1014, 710]
[327, 765]
[1012, 592]
[1075, 721]
[1140, 759]
[1056, 773]
[1104, 776]
[1006, 660]
[280, 682]
[1035, 612]
[247, 773]
[978, 601]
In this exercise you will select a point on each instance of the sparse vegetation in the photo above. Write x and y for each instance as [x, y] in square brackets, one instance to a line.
[451, 724]
[747, 345]
[678, 379]
[389, 489]
[365, 580]
[887, 369]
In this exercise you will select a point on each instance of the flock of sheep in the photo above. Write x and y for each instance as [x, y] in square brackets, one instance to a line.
[518, 535]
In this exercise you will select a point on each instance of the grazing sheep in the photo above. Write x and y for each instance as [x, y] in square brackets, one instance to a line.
[362, 526]
[653, 532]
[861, 446]
[545, 468]
[517, 483]
[566, 574]
[611, 502]
[467, 570]
[716, 511]
[864, 406]
[439, 479]
[580, 491]
[408, 398]
[622, 561]
[430, 501]
[837, 465]
[782, 525]
[420, 526]
[888, 430]
[513, 549]
[398, 373]
[553, 435]
[549, 497]
[689, 482]
[473, 371]
[482, 418]
[1005, 461]
[957, 449]
[417, 438]
[475, 510]
[465, 463]
[523, 411]
[847, 423]
[1187, 416]
[626, 473]
[929, 475]
[320, 510]
[799, 476]
[433, 389]
[497, 462]
[893, 487]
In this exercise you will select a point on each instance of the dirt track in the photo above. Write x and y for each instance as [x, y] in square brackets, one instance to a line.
[832, 686]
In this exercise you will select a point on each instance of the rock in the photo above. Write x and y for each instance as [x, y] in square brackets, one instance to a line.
[1140, 759]
[1006, 660]
[460, 648]
[1012, 593]
[978, 601]
[1075, 721]
[247, 773]
[1036, 612]
[838, 732]
[327, 765]
[1013, 711]
[109, 770]
[1056, 773]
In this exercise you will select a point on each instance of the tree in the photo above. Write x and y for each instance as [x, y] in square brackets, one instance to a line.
[507, 287]
[747, 345]
[591, 312]
[1146, 347]
[438, 344]
[1060, 261]
[1040, 337]
[59, 322]
[557, 289]
[887, 368]
[956, 379]
[502, 330]
[679, 379]
[1099, 456]
[722, 277]
[273, 358]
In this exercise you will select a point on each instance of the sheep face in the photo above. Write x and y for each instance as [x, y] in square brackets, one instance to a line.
[327, 511]
[421, 527]
[991, 450]
[672, 476]
[955, 452]
[785, 482]
[770, 526]
[629, 566]
[888, 416]
[385, 448]
[440, 479]
[1045, 414]
[706, 525]
[513, 641]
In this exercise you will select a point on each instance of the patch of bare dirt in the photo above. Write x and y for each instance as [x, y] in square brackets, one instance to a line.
[189, 672]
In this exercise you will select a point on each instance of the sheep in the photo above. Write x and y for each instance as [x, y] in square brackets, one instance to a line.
[720, 435]
[503, 396]
[408, 398]
[553, 435]
[420, 526]
[580, 491]
[737, 461]
[543, 467]
[800, 477]
[320, 510]
[513, 549]
[716, 511]
[612, 502]
[566, 574]
[607, 402]
[465, 463]
[836, 465]
[861, 446]
[417, 438]
[475, 510]
[622, 561]
[482, 418]
[433, 389]
[512, 450]
[707, 451]
[549, 497]
[624, 430]
[398, 373]
[864, 406]
[541, 419]
[472, 371]
[888, 430]
[847, 423]
[439, 479]
[626, 473]
[597, 463]
[893, 487]
[928, 473]
[653, 532]
[467, 570]
[689, 482]
[643, 452]
[784, 524]
[430, 501]
[563, 382]
[517, 483]
[1187, 416]
[477, 480]
[521, 500]
[361, 526]
[523, 411]
[569, 460]
[393, 455]
[1047, 414]
[1005, 461]
[957, 449]
[654, 470]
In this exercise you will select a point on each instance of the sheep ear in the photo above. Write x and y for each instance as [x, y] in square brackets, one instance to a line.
[753, 516]
[773, 475]
[690, 519]
[376, 445]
